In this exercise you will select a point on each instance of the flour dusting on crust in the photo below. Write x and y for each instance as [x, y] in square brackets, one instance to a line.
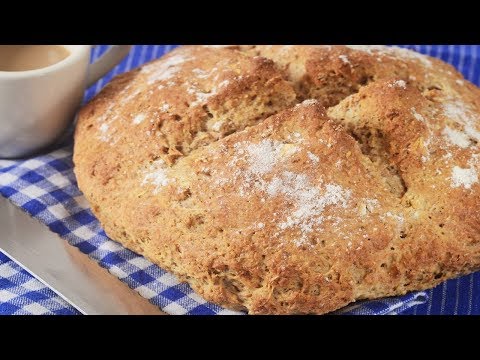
[156, 175]
[165, 70]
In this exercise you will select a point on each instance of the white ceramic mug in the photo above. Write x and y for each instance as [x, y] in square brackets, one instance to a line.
[36, 106]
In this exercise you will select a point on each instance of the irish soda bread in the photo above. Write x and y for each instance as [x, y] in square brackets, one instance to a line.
[289, 179]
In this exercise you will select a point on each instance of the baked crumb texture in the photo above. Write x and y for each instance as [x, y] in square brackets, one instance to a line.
[289, 179]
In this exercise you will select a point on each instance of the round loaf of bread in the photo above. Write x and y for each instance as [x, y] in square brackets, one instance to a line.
[289, 179]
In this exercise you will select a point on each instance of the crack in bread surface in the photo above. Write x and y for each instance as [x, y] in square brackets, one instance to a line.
[213, 165]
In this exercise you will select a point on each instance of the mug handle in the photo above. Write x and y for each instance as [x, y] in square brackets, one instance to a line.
[106, 62]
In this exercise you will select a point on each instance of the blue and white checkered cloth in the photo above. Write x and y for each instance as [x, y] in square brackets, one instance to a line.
[45, 187]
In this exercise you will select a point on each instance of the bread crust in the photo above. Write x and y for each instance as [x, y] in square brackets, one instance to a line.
[289, 179]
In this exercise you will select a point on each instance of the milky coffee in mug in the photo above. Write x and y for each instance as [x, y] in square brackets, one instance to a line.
[30, 57]
[41, 88]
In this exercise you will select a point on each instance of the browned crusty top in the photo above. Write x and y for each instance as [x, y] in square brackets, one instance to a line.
[364, 182]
